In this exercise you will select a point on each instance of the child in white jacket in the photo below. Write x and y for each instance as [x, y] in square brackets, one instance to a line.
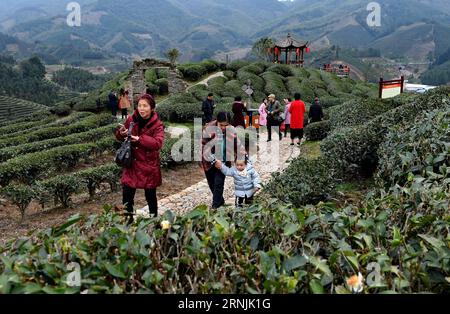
[246, 180]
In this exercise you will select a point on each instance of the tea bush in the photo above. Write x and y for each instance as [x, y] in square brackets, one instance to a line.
[303, 182]
[418, 148]
[84, 125]
[317, 131]
[358, 111]
[356, 147]
[77, 138]
[270, 247]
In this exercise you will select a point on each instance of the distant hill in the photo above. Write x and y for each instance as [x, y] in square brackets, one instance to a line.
[202, 29]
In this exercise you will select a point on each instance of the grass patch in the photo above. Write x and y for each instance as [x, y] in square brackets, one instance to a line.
[312, 149]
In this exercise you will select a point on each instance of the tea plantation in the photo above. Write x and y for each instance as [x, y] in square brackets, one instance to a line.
[12, 109]
[300, 236]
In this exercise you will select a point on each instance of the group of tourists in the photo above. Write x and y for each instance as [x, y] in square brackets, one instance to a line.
[147, 139]
[121, 102]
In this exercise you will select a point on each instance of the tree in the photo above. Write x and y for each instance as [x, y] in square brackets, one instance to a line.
[33, 68]
[261, 48]
[173, 55]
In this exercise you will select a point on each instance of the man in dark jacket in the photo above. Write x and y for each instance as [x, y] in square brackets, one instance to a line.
[208, 108]
[273, 116]
[221, 131]
[113, 103]
[315, 112]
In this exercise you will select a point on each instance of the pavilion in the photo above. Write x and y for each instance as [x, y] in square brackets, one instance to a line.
[289, 51]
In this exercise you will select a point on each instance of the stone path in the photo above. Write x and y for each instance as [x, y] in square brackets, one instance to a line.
[199, 193]
[205, 81]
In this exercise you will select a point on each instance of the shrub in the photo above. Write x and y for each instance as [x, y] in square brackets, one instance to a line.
[28, 168]
[61, 110]
[253, 68]
[200, 92]
[357, 146]
[420, 148]
[236, 65]
[303, 182]
[19, 195]
[257, 82]
[78, 138]
[358, 111]
[93, 177]
[232, 89]
[330, 101]
[294, 85]
[27, 125]
[317, 131]
[309, 249]
[275, 85]
[180, 112]
[153, 88]
[229, 74]
[151, 76]
[306, 92]
[282, 69]
[192, 72]
[163, 86]
[210, 65]
[62, 188]
[84, 125]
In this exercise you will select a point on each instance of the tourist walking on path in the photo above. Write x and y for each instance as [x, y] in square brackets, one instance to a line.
[297, 111]
[147, 140]
[263, 113]
[113, 103]
[227, 141]
[287, 116]
[124, 103]
[238, 110]
[273, 116]
[246, 180]
[315, 111]
[208, 108]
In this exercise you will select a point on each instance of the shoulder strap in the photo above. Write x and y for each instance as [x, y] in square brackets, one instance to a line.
[130, 129]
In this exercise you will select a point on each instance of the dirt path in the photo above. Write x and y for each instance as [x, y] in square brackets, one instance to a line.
[205, 81]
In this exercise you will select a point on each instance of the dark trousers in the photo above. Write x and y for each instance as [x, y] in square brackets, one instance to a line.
[216, 182]
[150, 196]
[270, 124]
[287, 127]
[241, 200]
[114, 111]
[124, 113]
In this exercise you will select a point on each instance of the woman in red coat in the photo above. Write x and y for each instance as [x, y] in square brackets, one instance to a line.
[297, 111]
[147, 140]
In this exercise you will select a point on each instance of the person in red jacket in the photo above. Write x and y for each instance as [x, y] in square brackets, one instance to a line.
[147, 140]
[297, 111]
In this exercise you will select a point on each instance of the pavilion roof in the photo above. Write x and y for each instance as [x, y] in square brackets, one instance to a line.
[290, 41]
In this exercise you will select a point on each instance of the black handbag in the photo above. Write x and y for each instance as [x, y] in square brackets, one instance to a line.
[123, 154]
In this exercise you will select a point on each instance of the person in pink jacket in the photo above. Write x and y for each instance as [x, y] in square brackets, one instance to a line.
[263, 113]
[287, 116]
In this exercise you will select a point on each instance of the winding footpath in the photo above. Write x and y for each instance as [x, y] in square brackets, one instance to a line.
[199, 193]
